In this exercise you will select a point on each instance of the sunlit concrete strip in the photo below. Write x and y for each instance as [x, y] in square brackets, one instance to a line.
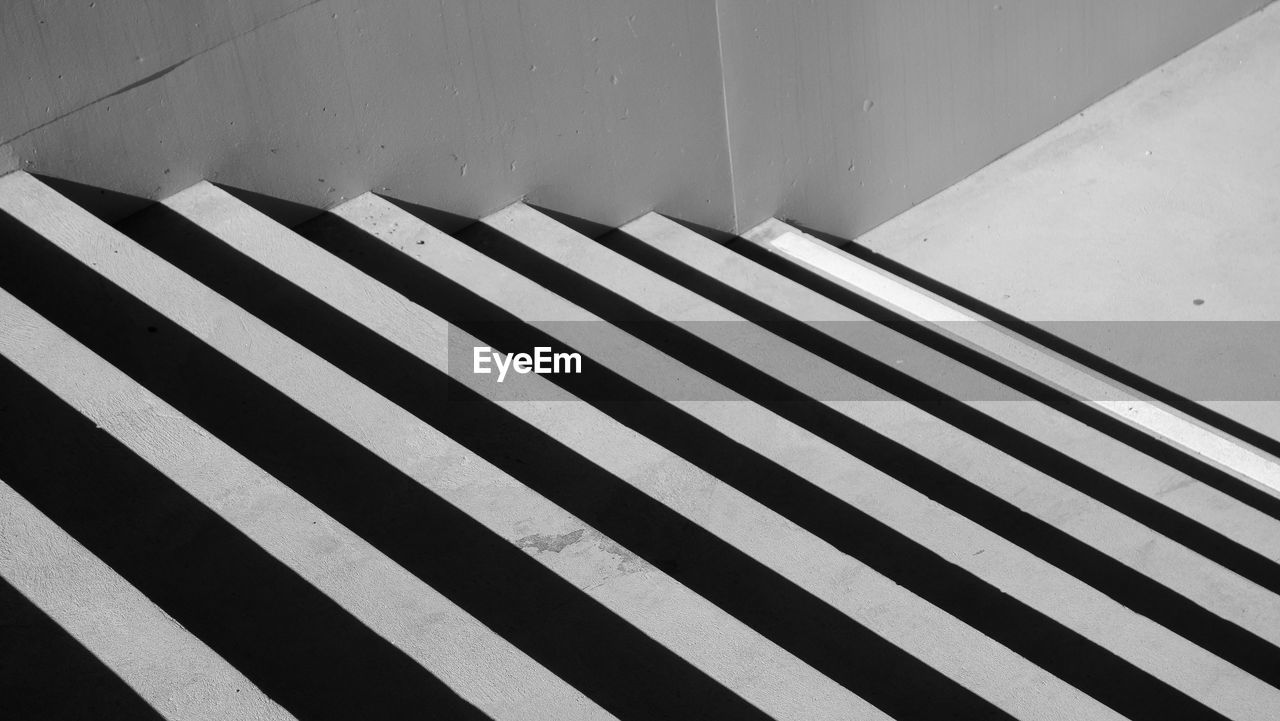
[696, 630]
[474, 661]
[1039, 585]
[860, 277]
[866, 596]
[1162, 559]
[173, 671]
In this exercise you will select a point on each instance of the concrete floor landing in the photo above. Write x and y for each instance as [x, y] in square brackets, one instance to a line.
[1159, 203]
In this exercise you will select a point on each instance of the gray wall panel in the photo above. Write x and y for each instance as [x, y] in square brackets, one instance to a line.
[599, 108]
[844, 113]
[840, 113]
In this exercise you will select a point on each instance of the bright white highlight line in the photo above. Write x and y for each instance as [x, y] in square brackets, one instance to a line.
[1151, 418]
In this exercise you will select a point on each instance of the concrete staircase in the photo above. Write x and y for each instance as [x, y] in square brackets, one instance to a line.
[246, 472]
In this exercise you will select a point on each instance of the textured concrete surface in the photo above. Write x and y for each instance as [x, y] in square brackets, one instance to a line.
[844, 113]
[260, 433]
[239, 456]
[1001, 457]
[598, 565]
[633, 628]
[729, 506]
[60, 58]
[170, 669]
[720, 113]
[819, 461]
[446, 641]
[1156, 204]
[601, 108]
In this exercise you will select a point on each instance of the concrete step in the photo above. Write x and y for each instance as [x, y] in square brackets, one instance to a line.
[739, 508]
[395, 456]
[1091, 629]
[295, 601]
[801, 571]
[394, 348]
[1078, 482]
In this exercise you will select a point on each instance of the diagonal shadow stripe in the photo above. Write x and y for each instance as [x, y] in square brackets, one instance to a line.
[302, 649]
[1097, 419]
[1037, 637]
[1125, 585]
[570, 634]
[804, 625]
[1004, 619]
[46, 674]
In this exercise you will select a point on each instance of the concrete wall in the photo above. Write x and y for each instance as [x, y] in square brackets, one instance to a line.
[599, 108]
[58, 57]
[844, 113]
[838, 113]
